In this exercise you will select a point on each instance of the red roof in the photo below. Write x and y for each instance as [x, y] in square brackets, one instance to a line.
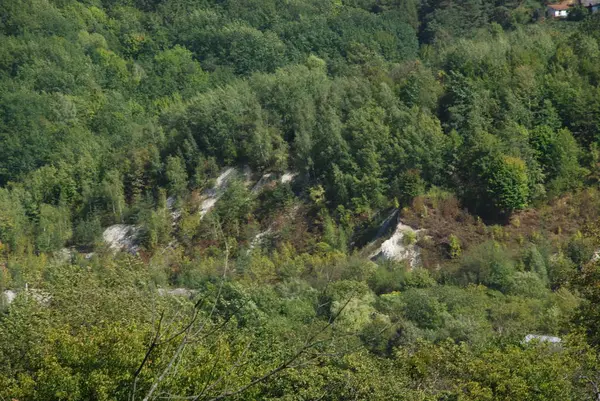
[559, 6]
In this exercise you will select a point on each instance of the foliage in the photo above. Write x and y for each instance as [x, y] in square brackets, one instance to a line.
[451, 115]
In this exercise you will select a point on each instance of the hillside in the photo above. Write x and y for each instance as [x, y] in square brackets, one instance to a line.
[299, 200]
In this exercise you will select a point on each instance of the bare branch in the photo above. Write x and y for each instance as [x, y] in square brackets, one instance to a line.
[193, 334]
[167, 369]
[215, 383]
[186, 331]
[287, 364]
[153, 345]
[218, 225]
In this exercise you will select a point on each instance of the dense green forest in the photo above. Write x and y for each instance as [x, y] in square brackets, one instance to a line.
[299, 200]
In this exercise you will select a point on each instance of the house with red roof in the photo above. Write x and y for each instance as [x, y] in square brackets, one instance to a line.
[561, 10]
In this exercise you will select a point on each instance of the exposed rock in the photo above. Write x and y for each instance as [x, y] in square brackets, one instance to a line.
[259, 238]
[271, 178]
[212, 195]
[398, 248]
[223, 180]
[540, 338]
[264, 181]
[170, 202]
[175, 213]
[121, 237]
[177, 292]
[8, 297]
[207, 205]
[65, 255]
[288, 177]
[40, 296]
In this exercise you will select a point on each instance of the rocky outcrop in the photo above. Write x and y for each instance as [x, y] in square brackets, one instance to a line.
[288, 177]
[401, 246]
[40, 296]
[263, 182]
[541, 338]
[177, 292]
[121, 237]
[212, 195]
[7, 297]
[258, 240]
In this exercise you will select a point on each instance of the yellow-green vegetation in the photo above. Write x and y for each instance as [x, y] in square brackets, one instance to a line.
[250, 155]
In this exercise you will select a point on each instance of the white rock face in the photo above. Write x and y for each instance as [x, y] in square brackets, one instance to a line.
[264, 180]
[170, 202]
[176, 292]
[288, 177]
[207, 205]
[64, 255]
[271, 177]
[259, 238]
[212, 195]
[40, 296]
[543, 339]
[8, 297]
[121, 237]
[223, 179]
[395, 248]
[175, 213]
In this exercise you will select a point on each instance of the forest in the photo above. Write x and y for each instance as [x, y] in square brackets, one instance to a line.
[299, 200]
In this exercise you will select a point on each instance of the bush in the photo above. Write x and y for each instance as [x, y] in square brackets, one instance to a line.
[455, 248]
[423, 309]
[488, 264]
[87, 232]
